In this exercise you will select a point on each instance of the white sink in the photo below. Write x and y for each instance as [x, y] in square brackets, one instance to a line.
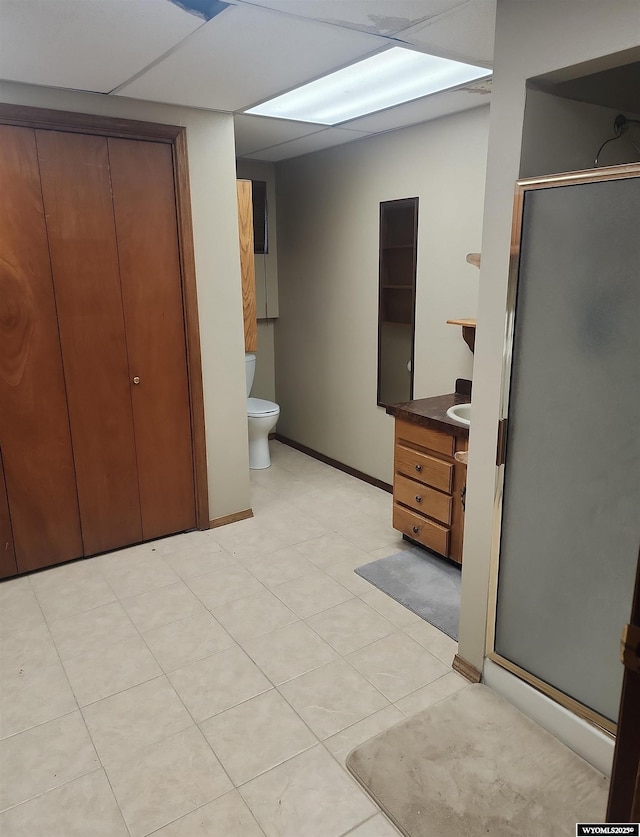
[461, 413]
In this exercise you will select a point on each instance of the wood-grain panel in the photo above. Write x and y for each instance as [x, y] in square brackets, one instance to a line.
[77, 197]
[410, 434]
[8, 564]
[423, 499]
[34, 427]
[143, 188]
[427, 469]
[418, 528]
[247, 265]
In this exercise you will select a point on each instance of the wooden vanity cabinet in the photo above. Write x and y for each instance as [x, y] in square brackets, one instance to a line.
[428, 487]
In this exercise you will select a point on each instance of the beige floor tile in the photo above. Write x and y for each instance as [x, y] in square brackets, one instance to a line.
[187, 640]
[342, 744]
[19, 610]
[434, 640]
[43, 758]
[378, 826]
[27, 649]
[63, 575]
[84, 807]
[254, 615]
[249, 538]
[257, 735]
[390, 549]
[167, 780]
[289, 652]
[111, 669]
[397, 665]
[292, 527]
[198, 560]
[332, 698]
[312, 594]
[332, 549]
[345, 574]
[224, 585]
[88, 632]
[218, 683]
[124, 724]
[9, 587]
[161, 607]
[279, 566]
[79, 594]
[137, 570]
[309, 795]
[279, 480]
[172, 544]
[39, 695]
[227, 816]
[389, 608]
[432, 693]
[370, 531]
[350, 625]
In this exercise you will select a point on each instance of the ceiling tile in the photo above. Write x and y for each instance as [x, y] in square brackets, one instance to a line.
[375, 16]
[325, 138]
[465, 33]
[86, 45]
[248, 54]
[257, 132]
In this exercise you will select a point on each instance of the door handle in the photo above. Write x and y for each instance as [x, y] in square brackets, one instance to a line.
[136, 379]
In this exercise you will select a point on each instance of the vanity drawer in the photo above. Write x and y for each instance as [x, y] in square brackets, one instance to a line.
[409, 434]
[423, 499]
[424, 468]
[418, 528]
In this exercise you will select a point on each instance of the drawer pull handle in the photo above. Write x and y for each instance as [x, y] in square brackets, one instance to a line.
[418, 498]
[418, 468]
[416, 529]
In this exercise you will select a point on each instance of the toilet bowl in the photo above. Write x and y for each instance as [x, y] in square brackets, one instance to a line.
[262, 417]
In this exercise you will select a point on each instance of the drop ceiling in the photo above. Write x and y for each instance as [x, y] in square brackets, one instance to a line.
[251, 50]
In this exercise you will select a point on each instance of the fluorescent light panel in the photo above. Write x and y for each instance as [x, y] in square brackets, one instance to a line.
[382, 81]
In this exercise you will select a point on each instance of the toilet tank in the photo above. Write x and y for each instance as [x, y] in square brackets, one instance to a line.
[250, 370]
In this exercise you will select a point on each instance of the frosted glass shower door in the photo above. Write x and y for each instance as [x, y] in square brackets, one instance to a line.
[571, 497]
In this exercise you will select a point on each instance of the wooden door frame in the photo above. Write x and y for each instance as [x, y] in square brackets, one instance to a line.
[624, 791]
[176, 137]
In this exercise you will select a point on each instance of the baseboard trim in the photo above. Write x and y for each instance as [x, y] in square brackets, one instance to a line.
[468, 671]
[230, 518]
[340, 466]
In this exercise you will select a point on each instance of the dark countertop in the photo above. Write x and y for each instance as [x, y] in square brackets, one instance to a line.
[432, 412]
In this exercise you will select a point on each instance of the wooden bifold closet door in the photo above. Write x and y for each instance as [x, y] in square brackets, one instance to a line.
[95, 431]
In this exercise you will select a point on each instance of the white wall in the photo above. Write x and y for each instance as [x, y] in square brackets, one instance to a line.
[215, 232]
[565, 135]
[328, 222]
[531, 39]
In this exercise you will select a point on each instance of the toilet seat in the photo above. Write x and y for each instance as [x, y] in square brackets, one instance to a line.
[257, 407]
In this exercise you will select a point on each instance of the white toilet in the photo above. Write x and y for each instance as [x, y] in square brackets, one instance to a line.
[262, 417]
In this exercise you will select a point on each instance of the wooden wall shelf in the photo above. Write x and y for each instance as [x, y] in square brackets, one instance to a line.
[468, 330]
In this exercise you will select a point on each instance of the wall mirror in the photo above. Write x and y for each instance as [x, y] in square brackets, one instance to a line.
[396, 299]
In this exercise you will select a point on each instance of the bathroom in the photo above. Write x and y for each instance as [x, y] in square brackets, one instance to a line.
[318, 330]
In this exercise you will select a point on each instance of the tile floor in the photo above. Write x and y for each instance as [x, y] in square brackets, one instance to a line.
[211, 684]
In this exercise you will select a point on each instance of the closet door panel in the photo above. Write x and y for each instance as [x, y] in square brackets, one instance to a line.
[77, 197]
[34, 425]
[146, 228]
[8, 564]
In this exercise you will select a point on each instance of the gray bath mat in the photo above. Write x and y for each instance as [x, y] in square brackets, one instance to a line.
[473, 765]
[424, 583]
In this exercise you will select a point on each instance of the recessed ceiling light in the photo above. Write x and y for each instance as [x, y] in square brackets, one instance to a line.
[389, 78]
